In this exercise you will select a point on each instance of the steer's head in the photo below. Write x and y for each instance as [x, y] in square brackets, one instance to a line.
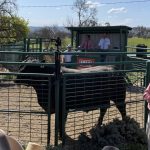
[30, 75]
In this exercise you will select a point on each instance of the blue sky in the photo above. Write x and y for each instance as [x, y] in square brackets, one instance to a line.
[122, 12]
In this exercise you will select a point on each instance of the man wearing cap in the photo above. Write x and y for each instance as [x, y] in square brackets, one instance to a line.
[68, 57]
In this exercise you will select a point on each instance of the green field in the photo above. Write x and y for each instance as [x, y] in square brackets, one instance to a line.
[135, 41]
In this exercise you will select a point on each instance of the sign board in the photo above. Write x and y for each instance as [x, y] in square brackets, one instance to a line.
[87, 62]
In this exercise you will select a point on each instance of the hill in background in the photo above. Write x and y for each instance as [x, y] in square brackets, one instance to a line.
[34, 29]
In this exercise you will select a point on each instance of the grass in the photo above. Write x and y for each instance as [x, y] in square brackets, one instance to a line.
[135, 41]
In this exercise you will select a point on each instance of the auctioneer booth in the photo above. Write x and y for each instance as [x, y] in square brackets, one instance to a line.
[118, 42]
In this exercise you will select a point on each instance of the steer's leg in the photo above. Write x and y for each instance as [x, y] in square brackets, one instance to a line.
[102, 114]
[121, 107]
[120, 96]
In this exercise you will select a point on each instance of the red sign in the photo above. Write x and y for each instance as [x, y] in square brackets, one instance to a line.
[87, 62]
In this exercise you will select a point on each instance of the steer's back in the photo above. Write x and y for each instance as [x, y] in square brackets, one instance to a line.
[95, 90]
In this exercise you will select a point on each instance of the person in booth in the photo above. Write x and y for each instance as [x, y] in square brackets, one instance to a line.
[87, 43]
[68, 58]
[104, 44]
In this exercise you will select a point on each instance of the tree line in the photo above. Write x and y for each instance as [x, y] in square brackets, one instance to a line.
[14, 28]
[140, 32]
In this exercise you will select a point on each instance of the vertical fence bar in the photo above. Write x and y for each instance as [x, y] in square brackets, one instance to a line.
[25, 44]
[28, 45]
[40, 42]
[49, 112]
[146, 84]
[57, 79]
[63, 110]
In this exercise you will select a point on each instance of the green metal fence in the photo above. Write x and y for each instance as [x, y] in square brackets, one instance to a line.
[23, 117]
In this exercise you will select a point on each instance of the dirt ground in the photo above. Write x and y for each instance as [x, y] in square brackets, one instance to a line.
[23, 118]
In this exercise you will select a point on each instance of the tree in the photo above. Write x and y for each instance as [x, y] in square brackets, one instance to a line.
[12, 28]
[8, 7]
[140, 32]
[107, 24]
[86, 13]
[20, 28]
[51, 32]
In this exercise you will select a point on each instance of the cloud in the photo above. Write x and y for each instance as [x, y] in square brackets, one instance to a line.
[117, 10]
[93, 4]
[125, 21]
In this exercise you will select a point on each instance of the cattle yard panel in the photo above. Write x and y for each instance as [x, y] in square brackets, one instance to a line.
[83, 119]
[17, 47]
[20, 114]
[23, 118]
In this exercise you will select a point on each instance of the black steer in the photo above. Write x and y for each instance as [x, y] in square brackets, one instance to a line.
[83, 92]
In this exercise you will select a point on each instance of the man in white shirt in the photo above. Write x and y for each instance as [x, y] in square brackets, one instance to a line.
[104, 44]
[67, 58]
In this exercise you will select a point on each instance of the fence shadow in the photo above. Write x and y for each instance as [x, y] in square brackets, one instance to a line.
[6, 84]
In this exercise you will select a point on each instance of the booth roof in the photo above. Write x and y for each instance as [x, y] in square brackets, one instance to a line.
[108, 29]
